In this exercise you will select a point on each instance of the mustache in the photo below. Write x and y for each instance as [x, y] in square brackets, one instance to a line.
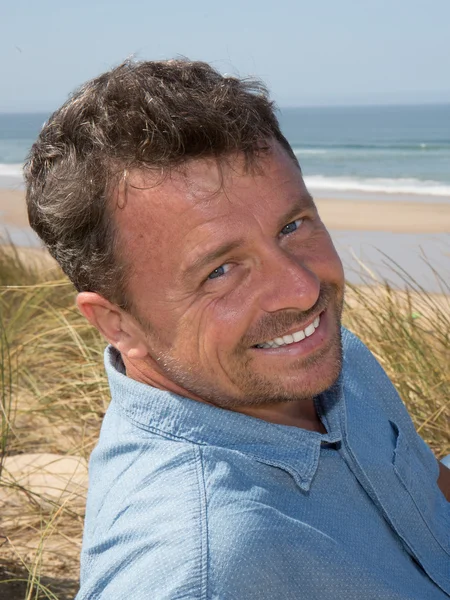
[276, 325]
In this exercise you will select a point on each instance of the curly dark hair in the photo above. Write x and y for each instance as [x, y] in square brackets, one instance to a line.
[153, 115]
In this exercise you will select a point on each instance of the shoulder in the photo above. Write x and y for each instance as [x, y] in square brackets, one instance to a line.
[374, 405]
[366, 382]
[145, 519]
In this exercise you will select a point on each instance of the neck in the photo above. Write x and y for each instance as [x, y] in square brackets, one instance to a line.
[139, 371]
[300, 414]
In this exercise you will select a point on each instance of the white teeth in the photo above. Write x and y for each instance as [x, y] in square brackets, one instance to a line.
[310, 330]
[288, 339]
[298, 336]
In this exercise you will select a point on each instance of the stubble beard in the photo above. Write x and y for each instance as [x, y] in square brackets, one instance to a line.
[252, 388]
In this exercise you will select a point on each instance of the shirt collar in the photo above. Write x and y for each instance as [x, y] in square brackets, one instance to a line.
[293, 449]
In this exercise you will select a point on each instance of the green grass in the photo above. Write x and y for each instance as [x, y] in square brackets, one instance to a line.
[54, 393]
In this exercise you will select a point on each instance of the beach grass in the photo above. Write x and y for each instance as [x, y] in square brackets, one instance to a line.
[54, 393]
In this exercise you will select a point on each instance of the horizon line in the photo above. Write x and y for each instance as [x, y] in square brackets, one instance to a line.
[318, 105]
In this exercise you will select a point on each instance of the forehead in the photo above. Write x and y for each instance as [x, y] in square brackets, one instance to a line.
[163, 218]
[200, 185]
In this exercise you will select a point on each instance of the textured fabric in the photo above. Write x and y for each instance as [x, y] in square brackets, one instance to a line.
[191, 501]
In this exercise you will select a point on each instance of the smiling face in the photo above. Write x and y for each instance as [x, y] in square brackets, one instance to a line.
[235, 281]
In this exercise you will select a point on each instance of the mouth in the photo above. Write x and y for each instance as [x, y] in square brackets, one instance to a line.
[293, 337]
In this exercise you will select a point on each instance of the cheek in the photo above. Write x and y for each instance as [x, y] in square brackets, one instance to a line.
[219, 323]
[324, 260]
[335, 266]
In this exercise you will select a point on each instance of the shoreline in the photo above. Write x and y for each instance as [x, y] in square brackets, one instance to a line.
[337, 214]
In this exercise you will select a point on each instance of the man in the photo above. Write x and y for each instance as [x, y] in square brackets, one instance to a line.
[252, 448]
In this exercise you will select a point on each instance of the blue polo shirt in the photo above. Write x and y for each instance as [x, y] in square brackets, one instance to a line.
[189, 501]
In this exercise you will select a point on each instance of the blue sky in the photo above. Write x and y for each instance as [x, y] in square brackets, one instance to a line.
[308, 52]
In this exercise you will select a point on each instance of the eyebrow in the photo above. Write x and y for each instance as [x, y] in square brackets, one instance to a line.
[211, 257]
[204, 260]
[300, 204]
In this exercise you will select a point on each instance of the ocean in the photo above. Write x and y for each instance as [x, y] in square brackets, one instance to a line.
[393, 150]
[387, 152]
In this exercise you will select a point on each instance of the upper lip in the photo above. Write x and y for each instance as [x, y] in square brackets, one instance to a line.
[293, 329]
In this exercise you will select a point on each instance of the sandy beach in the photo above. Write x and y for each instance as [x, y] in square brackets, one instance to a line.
[349, 215]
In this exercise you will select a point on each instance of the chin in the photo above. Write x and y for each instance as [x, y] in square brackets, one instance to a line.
[303, 380]
[306, 386]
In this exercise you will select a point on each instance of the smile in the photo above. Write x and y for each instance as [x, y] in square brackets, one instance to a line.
[292, 338]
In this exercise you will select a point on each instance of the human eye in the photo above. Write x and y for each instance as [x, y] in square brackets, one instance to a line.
[220, 271]
[291, 227]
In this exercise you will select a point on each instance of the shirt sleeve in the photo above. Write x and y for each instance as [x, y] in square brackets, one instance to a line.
[144, 534]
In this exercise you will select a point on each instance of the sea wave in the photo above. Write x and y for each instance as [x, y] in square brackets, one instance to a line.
[11, 170]
[410, 186]
[419, 147]
[303, 151]
[378, 185]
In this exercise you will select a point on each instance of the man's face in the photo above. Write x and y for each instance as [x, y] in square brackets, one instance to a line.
[225, 265]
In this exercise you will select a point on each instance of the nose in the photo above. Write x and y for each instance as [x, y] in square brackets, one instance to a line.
[287, 282]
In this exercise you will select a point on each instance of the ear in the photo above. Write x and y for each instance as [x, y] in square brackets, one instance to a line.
[116, 326]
